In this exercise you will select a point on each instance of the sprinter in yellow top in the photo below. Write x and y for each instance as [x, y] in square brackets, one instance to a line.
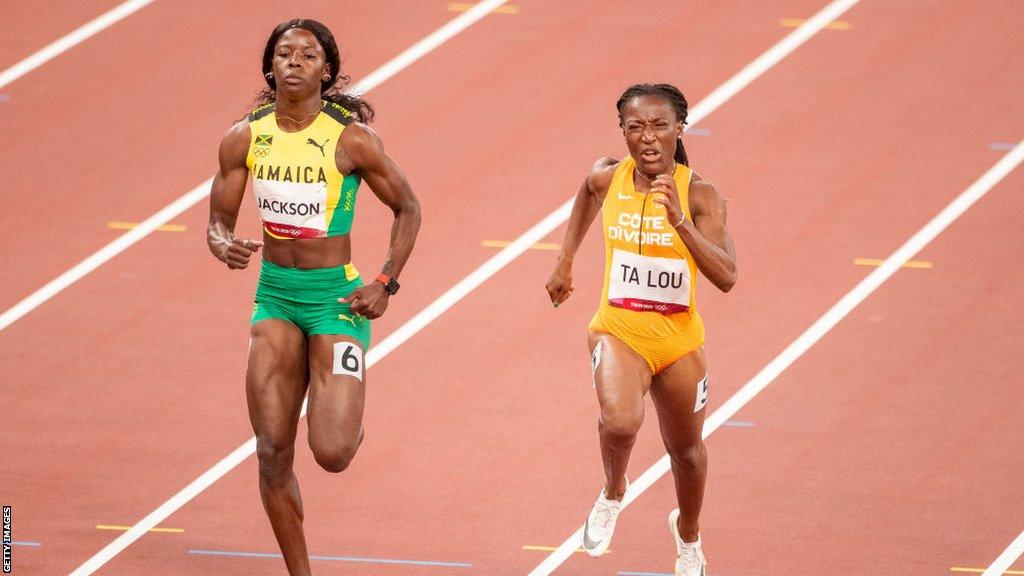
[306, 150]
[662, 223]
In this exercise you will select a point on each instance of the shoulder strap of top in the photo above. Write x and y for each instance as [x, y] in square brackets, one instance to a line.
[262, 111]
[339, 113]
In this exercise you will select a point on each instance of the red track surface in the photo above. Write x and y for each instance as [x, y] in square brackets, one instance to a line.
[888, 448]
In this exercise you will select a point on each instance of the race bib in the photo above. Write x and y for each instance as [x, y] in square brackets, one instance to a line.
[348, 360]
[648, 283]
[293, 209]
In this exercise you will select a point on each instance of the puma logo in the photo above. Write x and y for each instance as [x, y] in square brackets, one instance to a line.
[348, 319]
[320, 146]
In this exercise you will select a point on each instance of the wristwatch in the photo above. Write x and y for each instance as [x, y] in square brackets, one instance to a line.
[390, 284]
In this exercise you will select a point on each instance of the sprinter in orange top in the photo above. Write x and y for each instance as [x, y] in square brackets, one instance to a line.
[662, 223]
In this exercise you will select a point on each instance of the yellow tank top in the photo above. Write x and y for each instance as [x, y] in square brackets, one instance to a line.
[650, 278]
[299, 189]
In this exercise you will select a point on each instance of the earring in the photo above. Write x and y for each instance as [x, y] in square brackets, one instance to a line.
[326, 77]
[269, 75]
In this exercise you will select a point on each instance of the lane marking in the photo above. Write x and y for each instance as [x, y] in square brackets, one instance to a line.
[1000, 145]
[691, 131]
[200, 192]
[332, 558]
[816, 332]
[645, 574]
[100, 257]
[463, 6]
[29, 544]
[117, 225]
[125, 528]
[1016, 548]
[535, 246]
[393, 340]
[552, 549]
[5, 97]
[71, 39]
[833, 25]
[907, 264]
[981, 570]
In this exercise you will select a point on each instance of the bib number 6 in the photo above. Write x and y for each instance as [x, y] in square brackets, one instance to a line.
[348, 360]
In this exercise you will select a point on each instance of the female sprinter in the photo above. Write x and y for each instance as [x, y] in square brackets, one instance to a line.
[306, 149]
[661, 224]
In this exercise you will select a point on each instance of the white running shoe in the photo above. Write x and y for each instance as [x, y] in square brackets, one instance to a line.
[597, 532]
[689, 557]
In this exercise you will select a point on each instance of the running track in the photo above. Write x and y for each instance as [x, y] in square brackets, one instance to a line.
[890, 447]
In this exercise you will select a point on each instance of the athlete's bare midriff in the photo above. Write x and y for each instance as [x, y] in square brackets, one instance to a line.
[308, 253]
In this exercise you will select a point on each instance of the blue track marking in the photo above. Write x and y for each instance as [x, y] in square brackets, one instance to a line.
[332, 558]
[738, 423]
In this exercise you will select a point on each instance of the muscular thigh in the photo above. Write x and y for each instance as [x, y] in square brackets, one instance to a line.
[275, 381]
[621, 376]
[337, 386]
[680, 395]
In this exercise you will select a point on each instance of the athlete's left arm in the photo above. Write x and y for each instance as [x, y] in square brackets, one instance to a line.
[365, 153]
[706, 237]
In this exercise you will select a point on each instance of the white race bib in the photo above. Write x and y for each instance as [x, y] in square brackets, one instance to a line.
[293, 209]
[348, 360]
[648, 283]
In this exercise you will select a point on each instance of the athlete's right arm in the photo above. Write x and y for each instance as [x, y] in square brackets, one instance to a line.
[226, 197]
[586, 206]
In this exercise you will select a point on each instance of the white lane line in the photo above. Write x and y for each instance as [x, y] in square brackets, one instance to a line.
[75, 273]
[822, 326]
[1007, 558]
[770, 58]
[70, 40]
[233, 459]
[199, 193]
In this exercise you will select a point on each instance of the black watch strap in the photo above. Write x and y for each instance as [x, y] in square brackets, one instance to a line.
[391, 285]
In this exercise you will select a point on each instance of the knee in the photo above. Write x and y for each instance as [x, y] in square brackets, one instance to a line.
[275, 460]
[336, 460]
[692, 456]
[619, 424]
[337, 457]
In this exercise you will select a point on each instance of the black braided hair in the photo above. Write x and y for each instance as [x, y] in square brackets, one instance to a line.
[331, 89]
[672, 95]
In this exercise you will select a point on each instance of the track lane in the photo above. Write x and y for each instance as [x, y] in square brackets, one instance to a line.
[29, 26]
[372, 220]
[112, 343]
[515, 294]
[889, 429]
[124, 138]
[480, 446]
[893, 173]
